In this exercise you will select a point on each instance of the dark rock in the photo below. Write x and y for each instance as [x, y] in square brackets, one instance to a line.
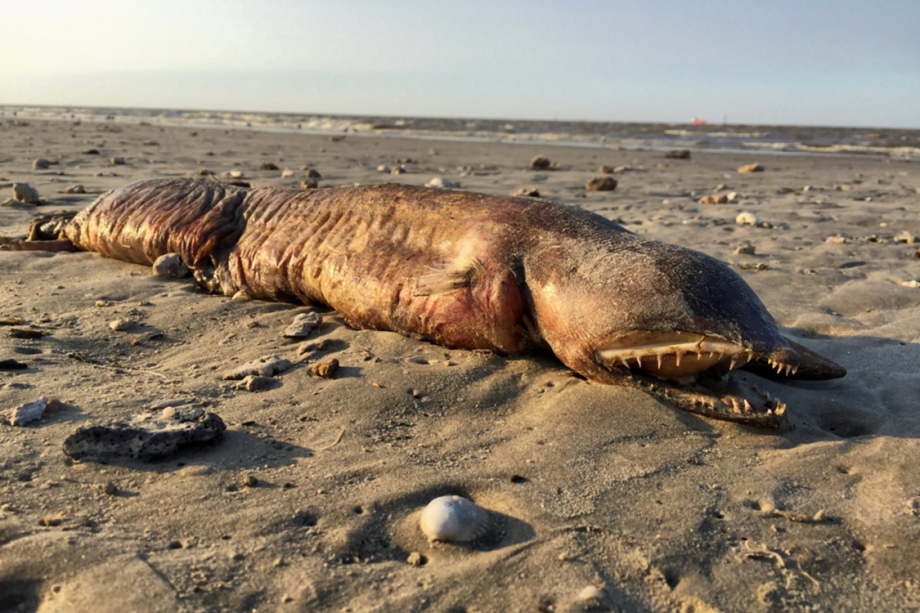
[683, 154]
[12, 365]
[601, 184]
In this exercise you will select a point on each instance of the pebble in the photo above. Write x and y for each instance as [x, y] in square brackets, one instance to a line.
[540, 163]
[266, 366]
[590, 594]
[121, 325]
[109, 489]
[255, 383]
[303, 325]
[30, 412]
[530, 192]
[26, 333]
[171, 266]
[605, 170]
[836, 239]
[454, 519]
[750, 168]
[40, 164]
[146, 436]
[399, 170]
[314, 174]
[326, 370]
[309, 184]
[384, 168]
[23, 192]
[906, 237]
[442, 183]
[745, 249]
[748, 219]
[416, 559]
[74, 189]
[117, 161]
[715, 199]
[269, 166]
[683, 154]
[601, 184]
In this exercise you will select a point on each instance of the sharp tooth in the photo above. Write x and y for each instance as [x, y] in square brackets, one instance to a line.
[734, 363]
[677, 356]
[639, 361]
[795, 369]
[788, 369]
[735, 406]
[721, 355]
[747, 407]
[699, 356]
[659, 360]
[779, 367]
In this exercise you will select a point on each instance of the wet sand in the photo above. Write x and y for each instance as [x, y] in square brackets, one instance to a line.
[311, 501]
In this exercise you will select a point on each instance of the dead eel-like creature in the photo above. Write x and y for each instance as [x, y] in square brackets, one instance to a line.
[469, 271]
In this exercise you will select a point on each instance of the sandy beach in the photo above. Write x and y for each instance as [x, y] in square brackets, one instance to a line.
[601, 498]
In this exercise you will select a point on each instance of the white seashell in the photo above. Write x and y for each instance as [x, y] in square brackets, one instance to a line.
[453, 518]
[442, 183]
[745, 218]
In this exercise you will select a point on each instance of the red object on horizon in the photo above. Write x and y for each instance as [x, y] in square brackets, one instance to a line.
[697, 122]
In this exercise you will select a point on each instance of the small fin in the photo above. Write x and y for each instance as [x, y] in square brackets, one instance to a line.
[443, 280]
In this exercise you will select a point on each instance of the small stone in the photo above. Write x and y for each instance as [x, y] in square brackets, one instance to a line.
[250, 481]
[745, 249]
[750, 168]
[715, 199]
[309, 184]
[117, 161]
[442, 183]
[10, 364]
[303, 325]
[683, 154]
[326, 370]
[539, 163]
[171, 266]
[121, 325]
[269, 166]
[905, 237]
[399, 170]
[266, 366]
[416, 559]
[731, 196]
[26, 333]
[256, 383]
[529, 192]
[313, 174]
[234, 174]
[74, 189]
[109, 489]
[40, 164]
[836, 239]
[601, 184]
[23, 192]
[168, 413]
[27, 413]
[287, 173]
[605, 170]
[384, 168]
[590, 594]
[747, 219]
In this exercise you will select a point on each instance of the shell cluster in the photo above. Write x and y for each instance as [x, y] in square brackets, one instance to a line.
[454, 519]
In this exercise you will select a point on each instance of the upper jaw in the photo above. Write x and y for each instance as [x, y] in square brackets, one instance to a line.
[681, 355]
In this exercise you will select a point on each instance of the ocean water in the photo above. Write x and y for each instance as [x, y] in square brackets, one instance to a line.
[898, 143]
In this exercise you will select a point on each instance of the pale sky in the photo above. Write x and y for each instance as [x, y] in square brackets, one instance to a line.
[816, 62]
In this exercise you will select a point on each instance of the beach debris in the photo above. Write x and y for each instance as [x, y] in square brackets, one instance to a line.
[454, 519]
[416, 559]
[309, 184]
[906, 237]
[590, 595]
[26, 333]
[605, 170]
[266, 366]
[750, 168]
[12, 321]
[745, 218]
[170, 265]
[399, 170]
[601, 184]
[745, 249]
[23, 192]
[117, 161]
[91, 152]
[287, 173]
[269, 166]
[49, 227]
[30, 412]
[910, 283]
[234, 174]
[384, 168]
[325, 370]
[540, 163]
[303, 325]
[681, 154]
[147, 436]
[122, 325]
[10, 364]
[312, 173]
[255, 383]
[839, 239]
[442, 183]
[74, 189]
[40, 164]
[714, 199]
[530, 192]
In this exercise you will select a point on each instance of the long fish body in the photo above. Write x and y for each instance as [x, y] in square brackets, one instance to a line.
[469, 271]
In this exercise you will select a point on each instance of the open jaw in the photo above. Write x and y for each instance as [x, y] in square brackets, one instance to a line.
[685, 369]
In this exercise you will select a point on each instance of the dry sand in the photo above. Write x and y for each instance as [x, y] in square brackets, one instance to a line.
[588, 485]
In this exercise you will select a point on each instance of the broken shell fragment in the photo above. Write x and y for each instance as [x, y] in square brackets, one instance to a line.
[454, 519]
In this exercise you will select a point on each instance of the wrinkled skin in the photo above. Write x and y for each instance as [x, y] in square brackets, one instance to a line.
[469, 271]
